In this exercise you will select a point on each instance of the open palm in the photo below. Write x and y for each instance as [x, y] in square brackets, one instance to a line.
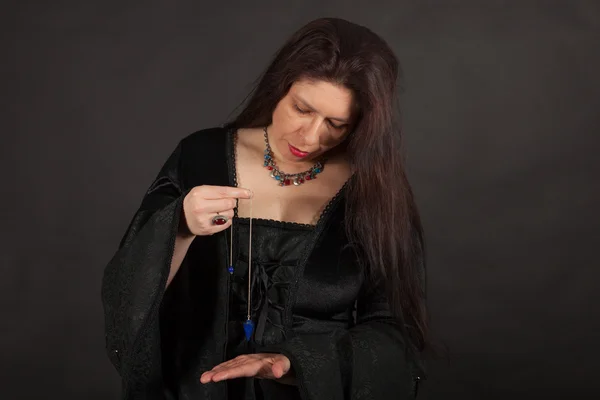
[260, 365]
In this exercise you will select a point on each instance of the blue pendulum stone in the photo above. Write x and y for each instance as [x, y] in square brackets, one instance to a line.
[248, 329]
[230, 269]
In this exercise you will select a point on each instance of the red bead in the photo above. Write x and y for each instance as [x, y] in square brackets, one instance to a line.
[301, 180]
[269, 168]
[287, 182]
[307, 177]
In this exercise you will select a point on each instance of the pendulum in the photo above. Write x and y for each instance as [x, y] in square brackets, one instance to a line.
[249, 324]
[230, 268]
[248, 329]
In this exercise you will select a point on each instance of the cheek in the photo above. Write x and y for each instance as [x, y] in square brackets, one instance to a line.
[331, 141]
[286, 120]
[280, 115]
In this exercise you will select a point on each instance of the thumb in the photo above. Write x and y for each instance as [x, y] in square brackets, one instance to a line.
[281, 366]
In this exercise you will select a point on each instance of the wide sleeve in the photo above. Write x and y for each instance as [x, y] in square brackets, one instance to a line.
[134, 282]
[371, 360]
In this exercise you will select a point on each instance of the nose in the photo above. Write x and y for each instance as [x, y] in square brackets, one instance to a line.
[311, 132]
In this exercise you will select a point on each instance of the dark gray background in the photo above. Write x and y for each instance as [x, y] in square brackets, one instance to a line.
[501, 119]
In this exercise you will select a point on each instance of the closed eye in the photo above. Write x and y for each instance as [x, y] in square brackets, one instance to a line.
[334, 126]
[304, 112]
[301, 111]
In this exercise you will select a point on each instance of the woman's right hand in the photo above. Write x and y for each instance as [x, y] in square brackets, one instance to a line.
[203, 203]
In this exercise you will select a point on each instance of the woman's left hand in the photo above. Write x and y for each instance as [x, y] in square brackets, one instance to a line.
[260, 365]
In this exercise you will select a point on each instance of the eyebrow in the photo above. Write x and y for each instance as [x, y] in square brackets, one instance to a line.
[311, 108]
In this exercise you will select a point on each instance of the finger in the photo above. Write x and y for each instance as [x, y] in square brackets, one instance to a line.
[278, 371]
[207, 376]
[248, 369]
[207, 224]
[219, 192]
[204, 206]
[281, 367]
[244, 365]
[206, 221]
[228, 213]
[212, 229]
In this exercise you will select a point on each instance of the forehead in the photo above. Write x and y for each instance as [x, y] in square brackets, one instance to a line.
[325, 97]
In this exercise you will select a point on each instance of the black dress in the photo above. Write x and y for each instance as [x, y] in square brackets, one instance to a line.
[276, 251]
[161, 340]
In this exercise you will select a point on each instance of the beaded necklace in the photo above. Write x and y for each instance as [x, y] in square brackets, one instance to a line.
[281, 177]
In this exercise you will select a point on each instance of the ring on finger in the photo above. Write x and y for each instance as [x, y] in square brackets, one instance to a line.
[219, 219]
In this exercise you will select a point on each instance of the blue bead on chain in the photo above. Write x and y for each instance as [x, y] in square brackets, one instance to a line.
[248, 329]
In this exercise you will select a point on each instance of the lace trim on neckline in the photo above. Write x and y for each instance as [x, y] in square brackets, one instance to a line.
[276, 223]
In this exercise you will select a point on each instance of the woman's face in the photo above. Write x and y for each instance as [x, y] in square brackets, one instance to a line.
[312, 118]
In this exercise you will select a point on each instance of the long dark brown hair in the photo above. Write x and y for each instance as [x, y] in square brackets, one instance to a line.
[381, 214]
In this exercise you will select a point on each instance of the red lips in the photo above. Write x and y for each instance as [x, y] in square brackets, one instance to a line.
[297, 152]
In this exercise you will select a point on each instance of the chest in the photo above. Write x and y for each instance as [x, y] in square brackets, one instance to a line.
[302, 204]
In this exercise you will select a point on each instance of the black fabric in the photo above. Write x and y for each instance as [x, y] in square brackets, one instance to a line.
[161, 341]
[276, 251]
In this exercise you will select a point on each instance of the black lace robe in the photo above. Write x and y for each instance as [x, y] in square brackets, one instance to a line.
[337, 332]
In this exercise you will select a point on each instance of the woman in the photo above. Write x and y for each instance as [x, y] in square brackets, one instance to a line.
[307, 183]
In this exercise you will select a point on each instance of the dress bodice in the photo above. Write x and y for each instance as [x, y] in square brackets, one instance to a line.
[276, 251]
